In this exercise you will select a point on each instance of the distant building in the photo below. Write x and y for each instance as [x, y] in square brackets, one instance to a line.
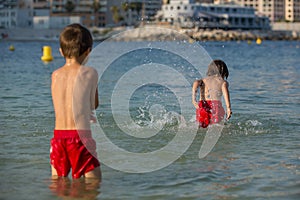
[15, 13]
[41, 8]
[41, 14]
[151, 9]
[91, 12]
[131, 12]
[51, 13]
[292, 10]
[276, 10]
[42, 18]
[187, 14]
[47, 22]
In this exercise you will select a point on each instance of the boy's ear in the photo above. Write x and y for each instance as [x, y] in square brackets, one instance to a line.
[61, 53]
[89, 51]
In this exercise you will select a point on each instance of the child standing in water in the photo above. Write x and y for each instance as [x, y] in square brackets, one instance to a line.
[209, 109]
[75, 96]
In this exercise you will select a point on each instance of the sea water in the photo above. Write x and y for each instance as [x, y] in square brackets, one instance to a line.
[256, 157]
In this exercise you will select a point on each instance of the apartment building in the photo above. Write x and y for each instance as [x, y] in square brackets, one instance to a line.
[276, 10]
[51, 13]
[131, 12]
[91, 12]
[150, 8]
[15, 13]
[292, 10]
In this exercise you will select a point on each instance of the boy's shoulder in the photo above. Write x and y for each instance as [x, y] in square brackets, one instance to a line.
[226, 83]
[88, 72]
[89, 69]
[56, 72]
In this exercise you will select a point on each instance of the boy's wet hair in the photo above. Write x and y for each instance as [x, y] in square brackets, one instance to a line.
[75, 40]
[217, 67]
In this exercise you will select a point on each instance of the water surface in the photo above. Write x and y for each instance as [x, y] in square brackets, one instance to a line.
[257, 156]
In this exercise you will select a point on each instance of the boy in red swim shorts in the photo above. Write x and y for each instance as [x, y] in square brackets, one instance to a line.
[209, 109]
[75, 96]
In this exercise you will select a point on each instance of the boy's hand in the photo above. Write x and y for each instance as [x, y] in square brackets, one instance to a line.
[93, 118]
[196, 105]
[229, 113]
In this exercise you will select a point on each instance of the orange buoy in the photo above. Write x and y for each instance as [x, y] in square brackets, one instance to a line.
[258, 41]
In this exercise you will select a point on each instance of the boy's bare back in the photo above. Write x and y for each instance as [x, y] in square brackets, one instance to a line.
[213, 86]
[73, 93]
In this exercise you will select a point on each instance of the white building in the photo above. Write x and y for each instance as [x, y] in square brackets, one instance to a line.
[16, 13]
[186, 13]
[42, 18]
[47, 22]
[292, 10]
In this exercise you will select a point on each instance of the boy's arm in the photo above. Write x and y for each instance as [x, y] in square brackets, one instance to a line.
[194, 93]
[96, 99]
[226, 94]
[95, 84]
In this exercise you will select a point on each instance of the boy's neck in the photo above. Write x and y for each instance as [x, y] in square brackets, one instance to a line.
[76, 60]
[70, 62]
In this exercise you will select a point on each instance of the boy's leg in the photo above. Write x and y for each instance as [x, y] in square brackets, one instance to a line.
[53, 170]
[95, 173]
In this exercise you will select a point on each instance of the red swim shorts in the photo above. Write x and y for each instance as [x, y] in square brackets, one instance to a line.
[209, 112]
[67, 151]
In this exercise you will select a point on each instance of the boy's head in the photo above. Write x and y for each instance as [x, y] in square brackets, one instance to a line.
[218, 67]
[75, 40]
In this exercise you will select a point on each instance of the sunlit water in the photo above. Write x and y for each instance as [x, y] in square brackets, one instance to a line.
[257, 156]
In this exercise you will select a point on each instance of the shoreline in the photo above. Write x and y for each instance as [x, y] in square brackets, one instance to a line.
[245, 35]
[101, 34]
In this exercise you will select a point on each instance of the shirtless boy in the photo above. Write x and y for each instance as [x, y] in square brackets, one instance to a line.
[209, 109]
[75, 96]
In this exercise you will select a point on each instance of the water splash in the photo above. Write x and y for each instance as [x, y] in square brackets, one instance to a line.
[249, 127]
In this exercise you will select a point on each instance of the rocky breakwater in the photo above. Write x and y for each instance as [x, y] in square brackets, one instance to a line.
[156, 33]
[236, 35]
[144, 34]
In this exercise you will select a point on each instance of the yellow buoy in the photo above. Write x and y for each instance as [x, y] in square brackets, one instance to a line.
[47, 54]
[258, 41]
[11, 48]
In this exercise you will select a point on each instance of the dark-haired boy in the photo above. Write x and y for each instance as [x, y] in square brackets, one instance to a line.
[209, 109]
[75, 96]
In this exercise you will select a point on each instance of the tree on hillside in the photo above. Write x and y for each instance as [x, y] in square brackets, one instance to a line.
[116, 14]
[96, 6]
[125, 7]
[129, 7]
[137, 6]
[70, 6]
